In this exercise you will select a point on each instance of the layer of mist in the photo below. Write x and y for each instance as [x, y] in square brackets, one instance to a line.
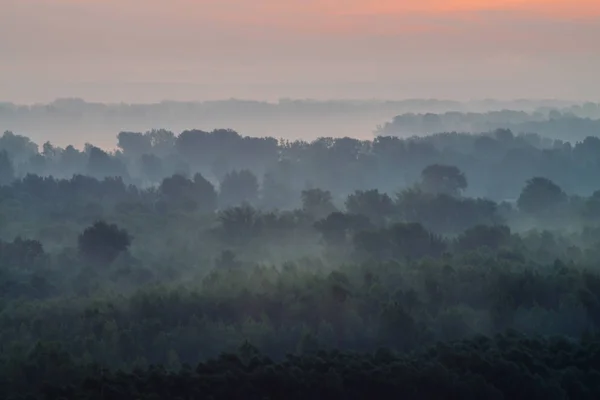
[445, 256]
[74, 121]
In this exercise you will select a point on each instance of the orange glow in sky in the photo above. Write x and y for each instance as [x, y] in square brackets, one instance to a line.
[557, 8]
[514, 46]
[583, 8]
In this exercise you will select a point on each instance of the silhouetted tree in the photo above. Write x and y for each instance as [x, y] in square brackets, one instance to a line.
[239, 225]
[102, 164]
[492, 237]
[372, 204]
[412, 241]
[539, 195]
[178, 191]
[20, 148]
[21, 253]
[163, 141]
[189, 195]
[205, 193]
[134, 144]
[337, 226]
[443, 179]
[317, 203]
[103, 242]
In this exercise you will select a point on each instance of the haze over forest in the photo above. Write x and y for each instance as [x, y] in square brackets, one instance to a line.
[75, 121]
[260, 199]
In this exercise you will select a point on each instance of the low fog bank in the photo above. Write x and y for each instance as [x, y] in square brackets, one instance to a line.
[75, 121]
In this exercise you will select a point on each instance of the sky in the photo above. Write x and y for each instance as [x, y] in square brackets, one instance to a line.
[152, 50]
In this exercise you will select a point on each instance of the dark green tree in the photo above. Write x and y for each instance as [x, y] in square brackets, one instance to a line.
[103, 242]
[372, 204]
[317, 203]
[492, 237]
[540, 195]
[443, 179]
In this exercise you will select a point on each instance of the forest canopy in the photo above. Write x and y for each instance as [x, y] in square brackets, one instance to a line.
[215, 264]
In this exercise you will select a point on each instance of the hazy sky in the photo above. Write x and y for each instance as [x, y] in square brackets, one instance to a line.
[148, 50]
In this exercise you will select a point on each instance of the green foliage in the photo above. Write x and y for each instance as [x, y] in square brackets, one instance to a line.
[317, 203]
[103, 242]
[505, 366]
[492, 237]
[407, 297]
[378, 207]
[540, 195]
[443, 179]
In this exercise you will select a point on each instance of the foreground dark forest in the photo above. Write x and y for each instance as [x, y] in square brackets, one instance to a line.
[220, 266]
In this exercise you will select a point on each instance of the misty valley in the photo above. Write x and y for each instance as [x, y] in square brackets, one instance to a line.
[212, 265]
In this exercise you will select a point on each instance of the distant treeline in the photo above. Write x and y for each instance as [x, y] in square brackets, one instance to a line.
[76, 121]
[496, 164]
[573, 124]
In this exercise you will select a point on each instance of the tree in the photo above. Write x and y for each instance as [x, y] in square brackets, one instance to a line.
[163, 141]
[206, 194]
[72, 161]
[413, 241]
[588, 151]
[101, 164]
[189, 195]
[20, 148]
[134, 143]
[103, 242]
[317, 203]
[492, 237]
[238, 187]
[399, 241]
[336, 227]
[49, 151]
[504, 135]
[177, 190]
[372, 204]
[21, 253]
[194, 146]
[7, 172]
[443, 179]
[240, 224]
[540, 195]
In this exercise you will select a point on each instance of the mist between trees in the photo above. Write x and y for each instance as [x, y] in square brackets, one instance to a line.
[246, 267]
